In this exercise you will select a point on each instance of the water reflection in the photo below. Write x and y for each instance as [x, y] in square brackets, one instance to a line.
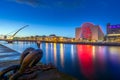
[55, 54]
[93, 52]
[72, 54]
[46, 52]
[100, 59]
[51, 50]
[62, 54]
[114, 56]
[85, 57]
[40, 46]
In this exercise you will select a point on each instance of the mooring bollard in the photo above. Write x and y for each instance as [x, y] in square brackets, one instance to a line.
[29, 58]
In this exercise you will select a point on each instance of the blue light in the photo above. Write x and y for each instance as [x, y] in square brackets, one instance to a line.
[114, 26]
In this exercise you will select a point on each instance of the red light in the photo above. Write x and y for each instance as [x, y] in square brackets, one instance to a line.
[86, 60]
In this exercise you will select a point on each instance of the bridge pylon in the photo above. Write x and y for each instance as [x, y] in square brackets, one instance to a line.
[10, 39]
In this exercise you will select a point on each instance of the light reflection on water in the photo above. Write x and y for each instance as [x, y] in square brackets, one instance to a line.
[55, 54]
[62, 55]
[85, 59]
[85, 62]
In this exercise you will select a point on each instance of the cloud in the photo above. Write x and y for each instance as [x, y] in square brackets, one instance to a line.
[29, 2]
[51, 3]
[68, 3]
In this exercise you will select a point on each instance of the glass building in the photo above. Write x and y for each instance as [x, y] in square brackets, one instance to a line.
[113, 33]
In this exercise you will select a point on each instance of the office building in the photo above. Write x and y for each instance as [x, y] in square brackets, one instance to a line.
[113, 33]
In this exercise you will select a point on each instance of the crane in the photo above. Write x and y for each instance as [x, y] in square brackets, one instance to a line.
[10, 39]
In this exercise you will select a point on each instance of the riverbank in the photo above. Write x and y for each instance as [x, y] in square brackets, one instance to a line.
[7, 54]
[103, 43]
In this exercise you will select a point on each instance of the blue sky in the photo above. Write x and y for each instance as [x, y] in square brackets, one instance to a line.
[59, 17]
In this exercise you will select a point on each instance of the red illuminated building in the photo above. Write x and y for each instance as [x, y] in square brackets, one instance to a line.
[89, 31]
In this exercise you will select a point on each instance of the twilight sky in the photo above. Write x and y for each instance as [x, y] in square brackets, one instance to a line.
[59, 17]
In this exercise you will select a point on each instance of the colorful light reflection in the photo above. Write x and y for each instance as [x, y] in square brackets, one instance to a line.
[85, 57]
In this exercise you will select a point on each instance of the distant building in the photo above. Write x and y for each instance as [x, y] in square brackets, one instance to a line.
[3, 37]
[89, 31]
[113, 33]
[77, 33]
[113, 29]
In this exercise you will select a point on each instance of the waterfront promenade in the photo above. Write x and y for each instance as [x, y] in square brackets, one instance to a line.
[7, 54]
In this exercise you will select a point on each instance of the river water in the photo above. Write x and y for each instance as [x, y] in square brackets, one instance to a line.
[84, 62]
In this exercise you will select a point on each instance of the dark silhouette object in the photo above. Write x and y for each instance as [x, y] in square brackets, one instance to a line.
[25, 53]
[38, 44]
[29, 58]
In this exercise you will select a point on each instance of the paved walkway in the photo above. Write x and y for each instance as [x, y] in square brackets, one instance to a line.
[6, 55]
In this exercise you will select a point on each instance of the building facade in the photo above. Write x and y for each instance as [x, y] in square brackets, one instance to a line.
[113, 29]
[77, 32]
[113, 33]
[89, 31]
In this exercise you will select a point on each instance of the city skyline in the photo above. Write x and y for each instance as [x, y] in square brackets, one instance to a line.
[59, 17]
